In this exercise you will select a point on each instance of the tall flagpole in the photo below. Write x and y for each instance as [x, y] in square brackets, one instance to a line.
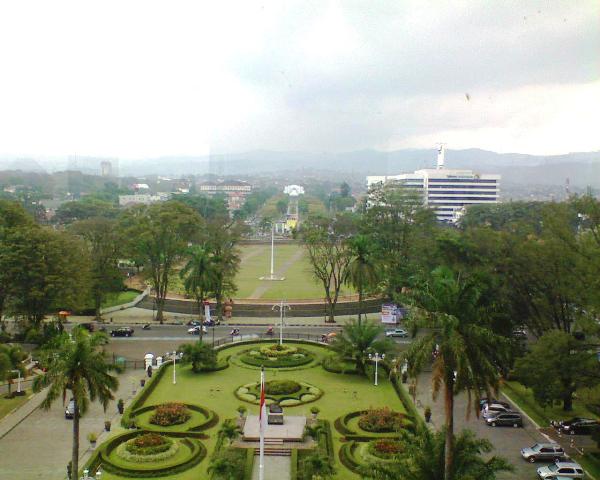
[261, 425]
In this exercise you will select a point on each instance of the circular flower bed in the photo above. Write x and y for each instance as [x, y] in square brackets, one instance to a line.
[169, 414]
[381, 420]
[277, 350]
[149, 447]
[292, 393]
[276, 356]
[385, 448]
[282, 387]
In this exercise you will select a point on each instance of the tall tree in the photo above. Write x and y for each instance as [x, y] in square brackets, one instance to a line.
[104, 244]
[363, 269]
[11, 361]
[325, 242]
[200, 355]
[77, 366]
[199, 276]
[467, 354]
[557, 365]
[158, 237]
[422, 458]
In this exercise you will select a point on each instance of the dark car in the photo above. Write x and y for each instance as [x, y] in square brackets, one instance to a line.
[576, 426]
[509, 419]
[122, 332]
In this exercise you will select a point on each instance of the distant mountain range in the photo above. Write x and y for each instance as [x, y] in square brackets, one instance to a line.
[582, 169]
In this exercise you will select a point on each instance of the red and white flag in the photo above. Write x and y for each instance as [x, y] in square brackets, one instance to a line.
[262, 425]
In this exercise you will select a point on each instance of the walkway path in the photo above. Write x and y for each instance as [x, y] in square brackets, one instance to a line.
[266, 284]
[276, 468]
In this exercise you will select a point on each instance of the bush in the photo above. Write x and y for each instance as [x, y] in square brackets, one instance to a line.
[385, 448]
[278, 350]
[148, 444]
[380, 420]
[169, 414]
[282, 387]
[293, 357]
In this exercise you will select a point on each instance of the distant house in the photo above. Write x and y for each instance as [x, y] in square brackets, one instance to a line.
[235, 191]
[142, 199]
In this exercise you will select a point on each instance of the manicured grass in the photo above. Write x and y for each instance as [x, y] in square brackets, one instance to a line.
[523, 397]
[215, 390]
[119, 298]
[7, 405]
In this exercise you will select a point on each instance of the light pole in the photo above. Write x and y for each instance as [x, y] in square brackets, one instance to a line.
[174, 367]
[376, 358]
[282, 308]
[18, 381]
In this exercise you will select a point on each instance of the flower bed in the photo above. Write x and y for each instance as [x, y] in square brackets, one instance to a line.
[169, 414]
[384, 448]
[276, 356]
[381, 420]
[277, 350]
[295, 393]
[149, 447]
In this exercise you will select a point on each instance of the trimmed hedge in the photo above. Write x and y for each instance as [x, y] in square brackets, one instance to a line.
[281, 362]
[249, 464]
[404, 398]
[211, 419]
[308, 393]
[294, 466]
[348, 459]
[341, 425]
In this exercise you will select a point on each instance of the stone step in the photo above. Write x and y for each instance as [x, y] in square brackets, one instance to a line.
[275, 452]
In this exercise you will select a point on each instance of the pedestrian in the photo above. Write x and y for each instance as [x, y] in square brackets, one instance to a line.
[149, 371]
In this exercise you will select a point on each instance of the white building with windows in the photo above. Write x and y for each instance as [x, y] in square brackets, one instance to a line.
[447, 191]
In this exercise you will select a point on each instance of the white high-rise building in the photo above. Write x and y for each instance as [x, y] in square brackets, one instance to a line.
[447, 191]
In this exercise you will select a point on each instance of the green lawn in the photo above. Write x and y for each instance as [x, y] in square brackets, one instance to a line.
[523, 396]
[8, 405]
[256, 262]
[215, 390]
[119, 298]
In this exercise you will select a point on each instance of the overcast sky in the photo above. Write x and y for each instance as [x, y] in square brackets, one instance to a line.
[136, 79]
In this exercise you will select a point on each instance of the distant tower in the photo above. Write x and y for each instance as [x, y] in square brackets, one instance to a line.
[440, 157]
[293, 214]
[106, 168]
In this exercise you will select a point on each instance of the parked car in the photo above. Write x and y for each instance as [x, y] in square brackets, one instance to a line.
[485, 401]
[70, 410]
[396, 332]
[122, 332]
[576, 426]
[558, 469]
[512, 419]
[196, 330]
[543, 451]
[493, 408]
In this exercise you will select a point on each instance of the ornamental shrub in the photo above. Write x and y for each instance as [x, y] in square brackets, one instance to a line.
[385, 448]
[148, 444]
[381, 420]
[169, 414]
[156, 453]
[282, 387]
[278, 350]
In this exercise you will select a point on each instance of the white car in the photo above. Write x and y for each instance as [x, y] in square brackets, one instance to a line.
[396, 332]
[196, 330]
[560, 469]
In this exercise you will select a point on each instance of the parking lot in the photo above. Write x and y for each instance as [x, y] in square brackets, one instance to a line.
[507, 441]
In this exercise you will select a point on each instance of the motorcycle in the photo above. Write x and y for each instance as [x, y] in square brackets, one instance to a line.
[147, 327]
[270, 331]
[235, 332]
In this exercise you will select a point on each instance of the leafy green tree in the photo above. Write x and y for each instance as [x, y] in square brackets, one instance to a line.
[199, 276]
[228, 464]
[207, 207]
[11, 360]
[328, 253]
[77, 367]
[557, 365]
[158, 237]
[422, 458]
[200, 355]
[466, 354]
[357, 340]
[230, 431]
[84, 209]
[402, 231]
[104, 244]
[363, 269]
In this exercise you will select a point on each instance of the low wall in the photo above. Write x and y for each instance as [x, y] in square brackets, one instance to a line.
[264, 309]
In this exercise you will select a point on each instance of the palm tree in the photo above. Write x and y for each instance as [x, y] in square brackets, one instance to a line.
[466, 354]
[357, 340]
[362, 269]
[199, 354]
[77, 365]
[198, 276]
[423, 458]
[230, 431]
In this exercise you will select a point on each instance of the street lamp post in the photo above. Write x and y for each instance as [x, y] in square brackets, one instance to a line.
[174, 367]
[282, 307]
[18, 380]
[376, 358]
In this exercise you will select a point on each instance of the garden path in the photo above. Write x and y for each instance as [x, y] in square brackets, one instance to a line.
[276, 468]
